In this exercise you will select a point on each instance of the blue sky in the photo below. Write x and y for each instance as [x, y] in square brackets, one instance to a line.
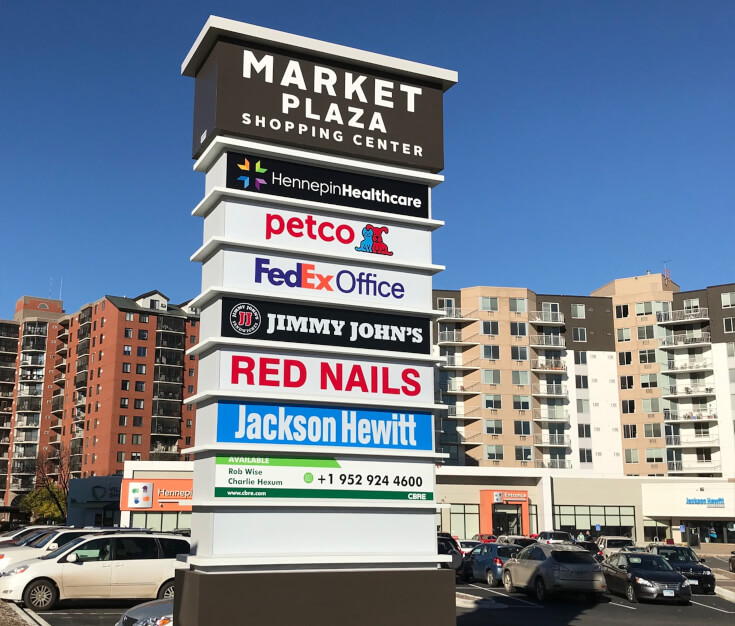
[586, 140]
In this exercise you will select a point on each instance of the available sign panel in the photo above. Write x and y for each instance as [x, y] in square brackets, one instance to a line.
[362, 429]
[279, 321]
[359, 239]
[301, 279]
[251, 92]
[317, 478]
[260, 174]
[330, 378]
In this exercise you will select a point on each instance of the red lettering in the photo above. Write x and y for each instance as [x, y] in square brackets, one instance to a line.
[307, 276]
[291, 367]
[325, 231]
[322, 231]
[270, 219]
[324, 281]
[295, 227]
[411, 377]
[374, 379]
[310, 223]
[356, 379]
[345, 234]
[328, 377]
[268, 368]
[242, 365]
[386, 383]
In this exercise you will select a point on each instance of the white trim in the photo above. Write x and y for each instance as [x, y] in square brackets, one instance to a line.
[332, 503]
[269, 448]
[353, 560]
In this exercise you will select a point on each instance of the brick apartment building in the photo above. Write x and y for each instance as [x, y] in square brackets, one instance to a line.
[96, 388]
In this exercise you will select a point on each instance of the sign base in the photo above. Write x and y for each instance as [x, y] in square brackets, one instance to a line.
[358, 598]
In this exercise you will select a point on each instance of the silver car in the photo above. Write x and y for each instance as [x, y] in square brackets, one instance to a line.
[552, 568]
[156, 613]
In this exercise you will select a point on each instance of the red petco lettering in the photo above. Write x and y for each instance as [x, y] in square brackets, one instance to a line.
[277, 372]
[309, 227]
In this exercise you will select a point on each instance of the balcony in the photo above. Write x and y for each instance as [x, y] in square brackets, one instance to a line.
[548, 365]
[677, 367]
[173, 342]
[680, 391]
[456, 315]
[165, 428]
[166, 408]
[554, 464]
[458, 387]
[37, 330]
[33, 344]
[8, 346]
[170, 324]
[80, 380]
[167, 392]
[549, 391]
[688, 316]
[83, 347]
[169, 357]
[697, 441]
[552, 441]
[704, 416]
[8, 362]
[21, 485]
[28, 422]
[453, 338]
[684, 340]
[164, 453]
[167, 374]
[61, 349]
[693, 467]
[548, 341]
[30, 374]
[459, 439]
[29, 406]
[456, 362]
[543, 415]
[547, 318]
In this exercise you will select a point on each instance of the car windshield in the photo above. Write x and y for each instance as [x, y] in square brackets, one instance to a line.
[468, 544]
[26, 539]
[590, 546]
[678, 555]
[573, 556]
[506, 551]
[41, 541]
[649, 563]
[619, 543]
[524, 542]
[562, 536]
[11, 533]
[63, 549]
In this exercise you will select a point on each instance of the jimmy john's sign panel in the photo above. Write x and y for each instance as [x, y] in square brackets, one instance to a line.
[364, 430]
[288, 98]
[361, 239]
[282, 321]
[306, 279]
[265, 175]
[295, 376]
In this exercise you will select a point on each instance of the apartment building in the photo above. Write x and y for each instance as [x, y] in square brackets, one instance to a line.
[634, 379]
[95, 388]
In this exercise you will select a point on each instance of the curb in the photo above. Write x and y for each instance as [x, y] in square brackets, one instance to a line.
[28, 616]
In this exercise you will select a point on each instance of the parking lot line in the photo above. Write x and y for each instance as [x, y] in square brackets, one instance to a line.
[36, 617]
[625, 606]
[714, 608]
[505, 595]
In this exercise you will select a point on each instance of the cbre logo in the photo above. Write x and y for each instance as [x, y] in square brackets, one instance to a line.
[245, 167]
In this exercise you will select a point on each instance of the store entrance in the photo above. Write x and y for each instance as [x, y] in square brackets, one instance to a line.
[507, 519]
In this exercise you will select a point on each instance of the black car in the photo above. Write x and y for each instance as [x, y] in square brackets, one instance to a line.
[592, 548]
[449, 548]
[732, 561]
[645, 576]
[684, 561]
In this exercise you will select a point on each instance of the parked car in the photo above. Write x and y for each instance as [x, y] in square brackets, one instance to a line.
[107, 565]
[592, 548]
[449, 548]
[634, 549]
[554, 536]
[466, 545]
[732, 561]
[486, 561]
[684, 561]
[19, 533]
[450, 539]
[551, 568]
[610, 545]
[46, 542]
[155, 613]
[518, 540]
[485, 538]
[645, 576]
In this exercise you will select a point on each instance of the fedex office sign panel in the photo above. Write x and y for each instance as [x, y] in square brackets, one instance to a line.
[289, 377]
[299, 278]
[360, 239]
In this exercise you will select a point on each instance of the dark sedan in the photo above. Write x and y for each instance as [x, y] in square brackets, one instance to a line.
[645, 576]
[684, 561]
[592, 548]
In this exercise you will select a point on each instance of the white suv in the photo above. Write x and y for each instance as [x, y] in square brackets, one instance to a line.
[105, 565]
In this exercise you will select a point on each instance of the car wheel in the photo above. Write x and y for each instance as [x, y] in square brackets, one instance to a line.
[491, 580]
[166, 592]
[630, 594]
[508, 582]
[41, 595]
[539, 588]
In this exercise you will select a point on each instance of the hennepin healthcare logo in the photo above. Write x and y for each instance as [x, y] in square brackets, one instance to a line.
[257, 181]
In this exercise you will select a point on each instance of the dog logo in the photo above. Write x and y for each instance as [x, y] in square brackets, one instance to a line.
[245, 319]
[372, 240]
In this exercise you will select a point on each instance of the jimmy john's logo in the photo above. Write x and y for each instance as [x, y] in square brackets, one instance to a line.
[283, 322]
[245, 319]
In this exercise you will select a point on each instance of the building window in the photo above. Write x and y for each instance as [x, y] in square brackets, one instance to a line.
[124, 385]
[728, 299]
[580, 357]
[581, 382]
[126, 368]
[585, 455]
[521, 403]
[648, 381]
[190, 389]
[491, 353]
[142, 351]
[521, 427]
[583, 406]
[630, 431]
[491, 401]
[124, 402]
[120, 457]
[651, 405]
[143, 318]
[191, 372]
[704, 454]
[579, 334]
[465, 520]
[187, 441]
[518, 305]
[142, 335]
[584, 430]
[654, 455]
[135, 456]
[520, 377]
[140, 368]
[643, 308]
[631, 455]
[578, 312]
[188, 423]
[523, 453]
[139, 385]
[489, 328]
[623, 334]
[128, 334]
[137, 421]
[494, 427]
[129, 317]
[490, 377]
[192, 357]
[628, 406]
[123, 420]
[646, 332]
[625, 358]
[621, 311]
[138, 403]
[519, 353]
[127, 350]
[495, 453]
[691, 305]
[137, 440]
[729, 324]
[651, 430]
[122, 438]
[488, 304]
[518, 329]
[626, 382]
[192, 339]
[647, 356]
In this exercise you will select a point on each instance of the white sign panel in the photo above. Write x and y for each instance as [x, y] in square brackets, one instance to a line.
[359, 239]
[313, 477]
[293, 377]
[302, 279]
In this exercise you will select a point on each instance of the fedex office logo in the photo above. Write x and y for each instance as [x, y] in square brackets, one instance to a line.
[305, 276]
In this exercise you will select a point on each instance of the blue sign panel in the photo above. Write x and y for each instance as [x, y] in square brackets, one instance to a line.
[240, 422]
[597, 527]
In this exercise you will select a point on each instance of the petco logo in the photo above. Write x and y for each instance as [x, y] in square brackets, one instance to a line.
[305, 276]
[313, 228]
[245, 167]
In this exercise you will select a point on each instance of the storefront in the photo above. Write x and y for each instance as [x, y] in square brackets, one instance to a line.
[504, 512]
[94, 501]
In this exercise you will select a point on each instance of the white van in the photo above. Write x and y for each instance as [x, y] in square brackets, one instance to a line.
[105, 565]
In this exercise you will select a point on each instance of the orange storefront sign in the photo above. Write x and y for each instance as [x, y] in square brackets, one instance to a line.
[489, 497]
[156, 494]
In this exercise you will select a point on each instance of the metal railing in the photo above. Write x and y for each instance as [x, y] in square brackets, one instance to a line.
[549, 365]
[552, 440]
[697, 440]
[684, 339]
[547, 416]
[453, 385]
[701, 466]
[682, 316]
[547, 317]
[548, 341]
[549, 390]
[554, 464]
[683, 366]
[450, 335]
[688, 390]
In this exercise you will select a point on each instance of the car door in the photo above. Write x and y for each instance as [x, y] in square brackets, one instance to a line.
[520, 570]
[610, 569]
[89, 576]
[137, 568]
[478, 556]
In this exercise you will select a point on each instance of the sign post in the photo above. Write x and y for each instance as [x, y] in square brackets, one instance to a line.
[314, 459]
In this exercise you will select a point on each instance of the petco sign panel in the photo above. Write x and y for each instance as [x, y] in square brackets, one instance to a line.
[290, 377]
[305, 280]
[362, 240]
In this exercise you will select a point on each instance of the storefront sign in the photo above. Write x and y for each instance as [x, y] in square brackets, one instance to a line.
[160, 494]
[317, 478]
[289, 376]
[716, 503]
[251, 92]
[265, 175]
[279, 321]
[363, 429]
[303, 279]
